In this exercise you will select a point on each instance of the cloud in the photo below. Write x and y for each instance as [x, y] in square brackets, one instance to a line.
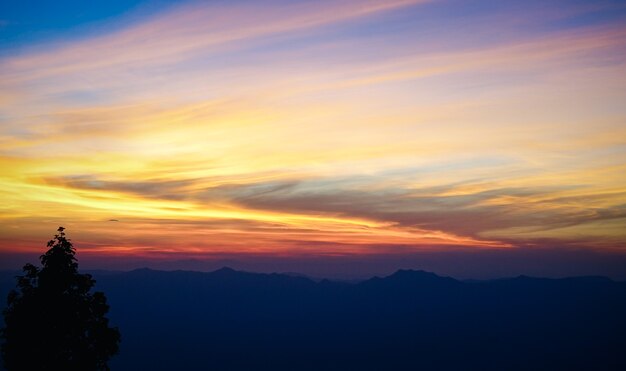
[190, 29]
[470, 214]
[466, 213]
[160, 189]
[323, 127]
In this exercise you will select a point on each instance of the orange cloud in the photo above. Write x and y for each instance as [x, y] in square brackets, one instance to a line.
[213, 129]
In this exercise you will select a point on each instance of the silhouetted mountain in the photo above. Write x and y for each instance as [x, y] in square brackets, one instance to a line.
[404, 280]
[232, 320]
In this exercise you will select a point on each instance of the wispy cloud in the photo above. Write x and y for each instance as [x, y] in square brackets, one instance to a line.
[333, 127]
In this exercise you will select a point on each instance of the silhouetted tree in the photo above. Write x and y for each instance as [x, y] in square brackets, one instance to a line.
[53, 321]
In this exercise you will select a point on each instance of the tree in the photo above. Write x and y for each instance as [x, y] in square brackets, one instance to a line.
[53, 321]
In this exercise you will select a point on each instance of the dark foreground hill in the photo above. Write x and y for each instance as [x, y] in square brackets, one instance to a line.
[230, 320]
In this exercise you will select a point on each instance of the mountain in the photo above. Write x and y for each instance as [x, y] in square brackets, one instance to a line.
[233, 320]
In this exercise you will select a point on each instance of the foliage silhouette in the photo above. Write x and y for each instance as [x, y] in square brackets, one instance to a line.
[53, 321]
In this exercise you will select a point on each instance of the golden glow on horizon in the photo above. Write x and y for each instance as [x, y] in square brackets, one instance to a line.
[260, 133]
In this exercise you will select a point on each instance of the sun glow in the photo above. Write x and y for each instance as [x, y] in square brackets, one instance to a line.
[319, 128]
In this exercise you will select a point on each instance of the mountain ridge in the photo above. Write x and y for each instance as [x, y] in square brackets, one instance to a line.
[236, 320]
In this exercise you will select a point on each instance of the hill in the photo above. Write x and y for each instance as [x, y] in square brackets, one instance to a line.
[232, 320]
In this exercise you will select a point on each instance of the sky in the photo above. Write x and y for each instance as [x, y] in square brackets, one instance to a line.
[346, 138]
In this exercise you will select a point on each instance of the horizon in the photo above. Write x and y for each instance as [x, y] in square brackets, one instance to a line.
[95, 273]
[337, 270]
[337, 139]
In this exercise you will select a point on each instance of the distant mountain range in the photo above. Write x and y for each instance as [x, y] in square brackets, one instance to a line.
[410, 320]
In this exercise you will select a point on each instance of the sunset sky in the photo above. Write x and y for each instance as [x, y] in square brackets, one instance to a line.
[457, 135]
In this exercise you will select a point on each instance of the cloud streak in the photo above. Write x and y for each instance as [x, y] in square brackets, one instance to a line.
[331, 128]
